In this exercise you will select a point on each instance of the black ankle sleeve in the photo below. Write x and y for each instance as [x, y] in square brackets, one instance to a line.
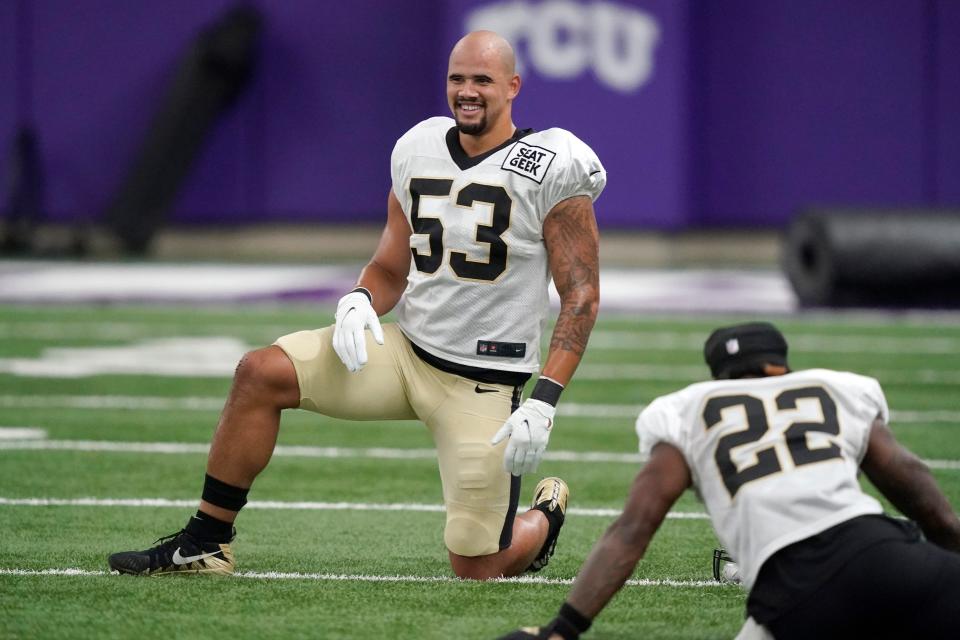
[224, 495]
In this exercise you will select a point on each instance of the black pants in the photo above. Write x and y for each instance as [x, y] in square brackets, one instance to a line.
[896, 587]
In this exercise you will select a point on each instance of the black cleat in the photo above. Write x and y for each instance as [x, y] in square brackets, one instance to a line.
[550, 496]
[177, 553]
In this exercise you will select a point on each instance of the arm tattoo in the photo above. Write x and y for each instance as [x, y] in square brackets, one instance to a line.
[570, 234]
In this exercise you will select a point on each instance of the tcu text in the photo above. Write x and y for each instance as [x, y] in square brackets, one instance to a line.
[563, 38]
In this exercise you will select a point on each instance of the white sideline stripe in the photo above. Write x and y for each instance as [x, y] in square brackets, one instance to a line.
[65, 282]
[296, 506]
[298, 451]
[342, 577]
[618, 340]
[217, 356]
[115, 331]
[211, 403]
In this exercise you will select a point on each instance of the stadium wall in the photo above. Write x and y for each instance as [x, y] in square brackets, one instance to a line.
[733, 113]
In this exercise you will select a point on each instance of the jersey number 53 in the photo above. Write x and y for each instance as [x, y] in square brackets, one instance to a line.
[488, 234]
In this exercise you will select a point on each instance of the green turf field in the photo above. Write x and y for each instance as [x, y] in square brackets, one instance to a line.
[343, 538]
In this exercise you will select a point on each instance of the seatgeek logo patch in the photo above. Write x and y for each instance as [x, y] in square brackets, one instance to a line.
[528, 161]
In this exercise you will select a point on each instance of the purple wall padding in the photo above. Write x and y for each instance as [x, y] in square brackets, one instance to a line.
[8, 82]
[814, 102]
[309, 140]
[946, 137]
[100, 68]
[341, 82]
[734, 113]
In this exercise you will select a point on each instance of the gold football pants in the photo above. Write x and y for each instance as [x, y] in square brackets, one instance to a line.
[396, 384]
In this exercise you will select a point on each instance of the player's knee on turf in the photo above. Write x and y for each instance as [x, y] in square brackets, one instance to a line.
[467, 537]
[476, 507]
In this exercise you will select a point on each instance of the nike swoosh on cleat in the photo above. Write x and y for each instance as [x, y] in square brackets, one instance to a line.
[480, 389]
[180, 560]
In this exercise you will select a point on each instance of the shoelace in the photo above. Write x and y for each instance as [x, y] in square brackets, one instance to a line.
[162, 554]
[165, 539]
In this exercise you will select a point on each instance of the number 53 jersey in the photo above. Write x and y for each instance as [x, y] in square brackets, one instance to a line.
[477, 287]
[775, 460]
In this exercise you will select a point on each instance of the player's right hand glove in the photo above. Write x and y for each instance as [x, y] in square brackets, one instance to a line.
[354, 315]
[568, 624]
[529, 430]
[526, 633]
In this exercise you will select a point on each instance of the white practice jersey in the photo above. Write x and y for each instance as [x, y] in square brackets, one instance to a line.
[477, 288]
[775, 460]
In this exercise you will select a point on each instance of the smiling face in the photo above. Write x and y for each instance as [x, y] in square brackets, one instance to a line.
[481, 85]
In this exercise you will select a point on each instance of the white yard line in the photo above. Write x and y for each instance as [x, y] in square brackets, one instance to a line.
[342, 577]
[602, 339]
[148, 403]
[293, 451]
[215, 403]
[686, 374]
[630, 412]
[272, 505]
[22, 433]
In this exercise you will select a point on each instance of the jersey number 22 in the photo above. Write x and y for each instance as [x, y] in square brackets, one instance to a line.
[757, 425]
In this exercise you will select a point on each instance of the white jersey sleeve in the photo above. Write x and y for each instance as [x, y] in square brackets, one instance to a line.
[660, 422]
[578, 171]
[775, 460]
[477, 288]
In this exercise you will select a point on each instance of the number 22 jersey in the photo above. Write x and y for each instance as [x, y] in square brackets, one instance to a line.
[775, 460]
[477, 288]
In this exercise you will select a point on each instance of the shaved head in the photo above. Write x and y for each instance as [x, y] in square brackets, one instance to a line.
[488, 45]
[481, 85]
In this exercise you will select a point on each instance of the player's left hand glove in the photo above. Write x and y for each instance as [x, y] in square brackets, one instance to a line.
[529, 430]
[354, 315]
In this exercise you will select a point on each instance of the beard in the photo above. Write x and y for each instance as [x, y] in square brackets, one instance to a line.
[473, 129]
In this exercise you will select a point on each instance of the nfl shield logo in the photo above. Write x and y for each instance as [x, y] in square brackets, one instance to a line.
[733, 346]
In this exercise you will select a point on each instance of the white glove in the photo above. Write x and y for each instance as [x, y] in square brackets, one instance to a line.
[354, 314]
[529, 430]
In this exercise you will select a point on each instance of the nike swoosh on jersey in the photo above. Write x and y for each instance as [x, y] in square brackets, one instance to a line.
[179, 559]
[480, 389]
